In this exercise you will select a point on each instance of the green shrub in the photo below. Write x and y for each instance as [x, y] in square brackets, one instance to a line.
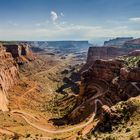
[128, 130]
[110, 138]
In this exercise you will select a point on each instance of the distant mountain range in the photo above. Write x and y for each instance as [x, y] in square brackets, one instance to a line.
[61, 46]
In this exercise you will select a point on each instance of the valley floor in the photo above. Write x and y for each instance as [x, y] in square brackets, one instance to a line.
[32, 102]
[35, 102]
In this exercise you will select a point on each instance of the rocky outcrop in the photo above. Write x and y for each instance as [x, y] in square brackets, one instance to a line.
[106, 82]
[132, 75]
[20, 52]
[114, 48]
[8, 76]
[134, 44]
[105, 53]
[113, 116]
[134, 53]
[103, 69]
[117, 41]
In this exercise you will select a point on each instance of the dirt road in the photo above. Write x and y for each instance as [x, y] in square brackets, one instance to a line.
[33, 121]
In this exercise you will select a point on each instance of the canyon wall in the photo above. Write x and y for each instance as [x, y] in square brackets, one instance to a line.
[117, 41]
[106, 82]
[113, 48]
[105, 53]
[8, 76]
[21, 52]
[132, 44]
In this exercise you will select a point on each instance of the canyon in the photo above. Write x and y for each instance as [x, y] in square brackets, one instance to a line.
[11, 56]
[49, 95]
[110, 50]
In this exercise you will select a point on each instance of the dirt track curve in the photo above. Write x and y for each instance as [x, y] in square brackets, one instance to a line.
[33, 121]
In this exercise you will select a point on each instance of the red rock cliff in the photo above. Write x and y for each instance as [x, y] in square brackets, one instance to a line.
[8, 76]
[20, 52]
[105, 53]
[106, 82]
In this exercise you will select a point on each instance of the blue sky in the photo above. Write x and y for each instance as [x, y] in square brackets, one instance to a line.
[68, 19]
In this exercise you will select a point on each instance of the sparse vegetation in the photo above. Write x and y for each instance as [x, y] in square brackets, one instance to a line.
[128, 130]
[139, 134]
[109, 138]
[131, 61]
[132, 138]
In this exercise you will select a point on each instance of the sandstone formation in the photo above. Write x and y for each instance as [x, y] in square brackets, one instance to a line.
[132, 75]
[134, 53]
[8, 76]
[105, 53]
[135, 44]
[114, 48]
[20, 52]
[117, 41]
[113, 116]
[106, 82]
[103, 69]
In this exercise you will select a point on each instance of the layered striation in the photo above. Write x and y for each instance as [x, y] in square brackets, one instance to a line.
[8, 76]
[21, 52]
[106, 82]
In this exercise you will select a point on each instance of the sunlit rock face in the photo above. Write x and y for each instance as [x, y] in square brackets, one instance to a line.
[8, 76]
[103, 69]
[20, 52]
[130, 74]
[108, 82]
[105, 53]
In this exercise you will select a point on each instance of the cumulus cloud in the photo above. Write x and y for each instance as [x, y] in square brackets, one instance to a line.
[54, 16]
[135, 19]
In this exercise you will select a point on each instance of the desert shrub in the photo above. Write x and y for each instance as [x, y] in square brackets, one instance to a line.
[139, 133]
[128, 130]
[132, 138]
[28, 135]
[110, 138]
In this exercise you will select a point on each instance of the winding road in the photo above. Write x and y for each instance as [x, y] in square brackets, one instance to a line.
[34, 121]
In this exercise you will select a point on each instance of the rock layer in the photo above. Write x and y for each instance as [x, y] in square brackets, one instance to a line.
[8, 76]
[105, 53]
[20, 52]
[130, 74]
[117, 41]
[106, 82]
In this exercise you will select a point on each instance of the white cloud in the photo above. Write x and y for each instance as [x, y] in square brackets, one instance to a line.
[62, 14]
[62, 30]
[54, 16]
[135, 19]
